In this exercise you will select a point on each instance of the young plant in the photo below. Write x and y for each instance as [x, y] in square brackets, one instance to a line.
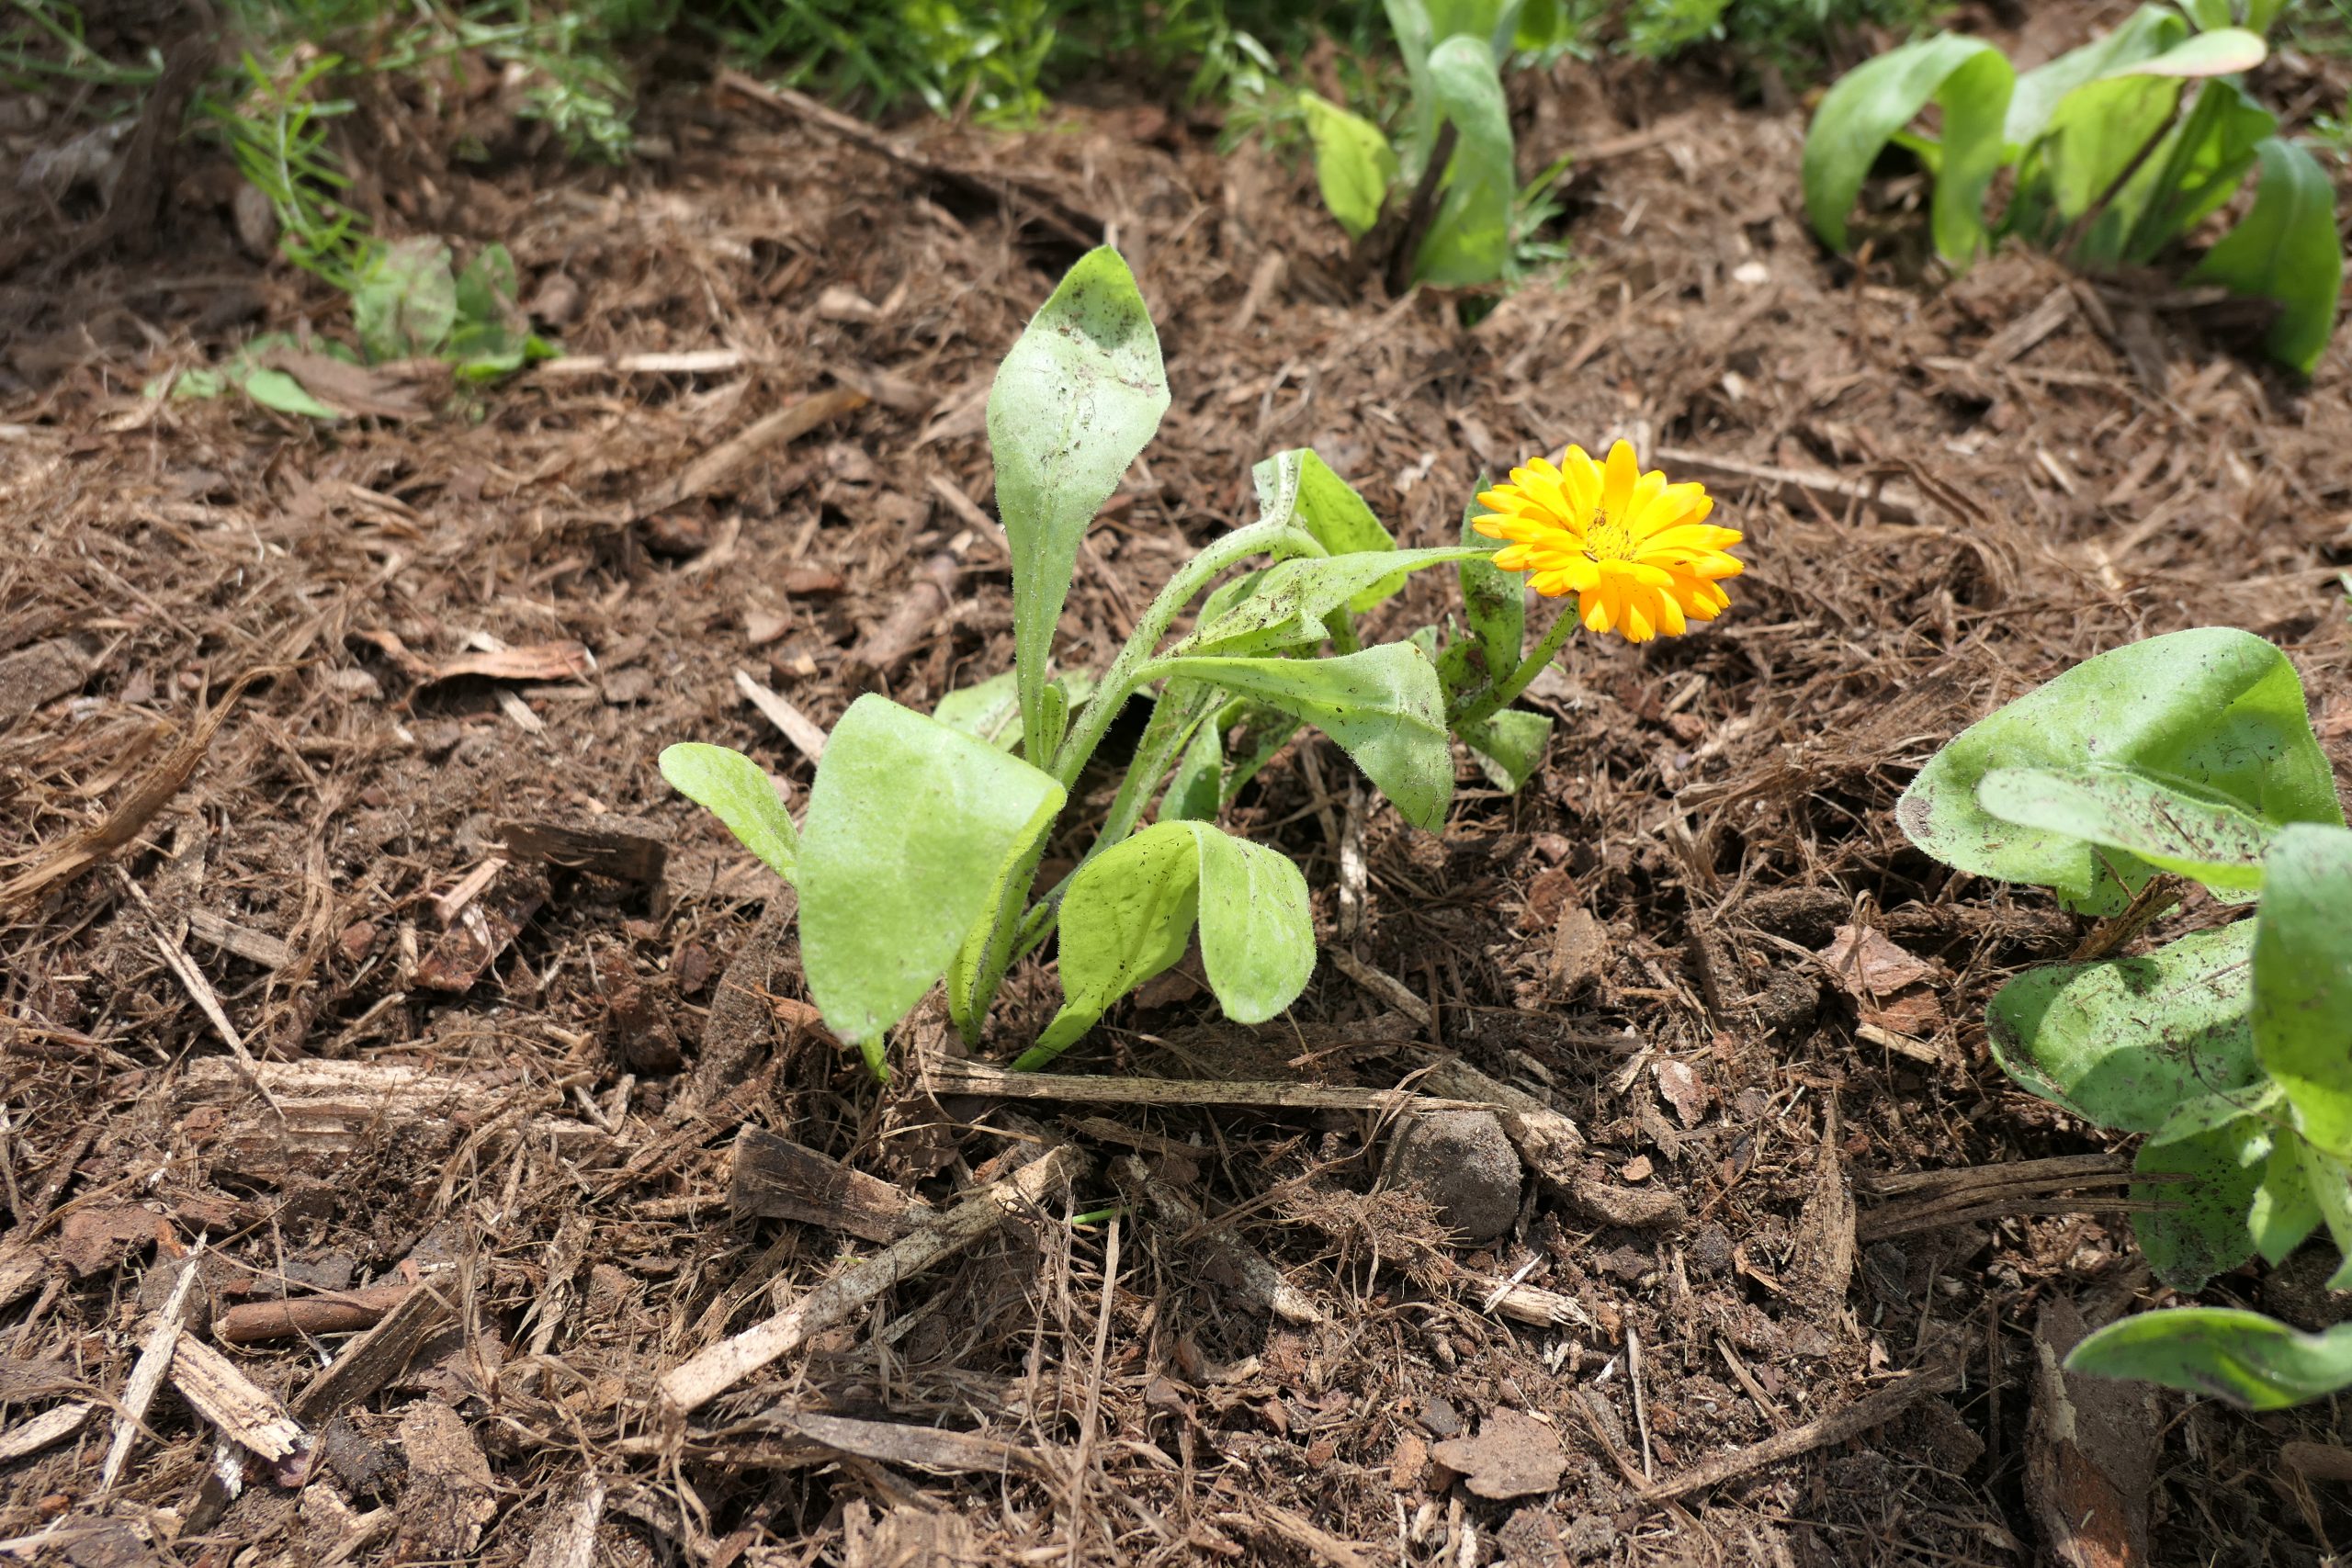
[2184, 757]
[917, 856]
[2118, 150]
[1455, 151]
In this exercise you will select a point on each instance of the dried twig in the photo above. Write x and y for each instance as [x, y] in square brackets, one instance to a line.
[715, 1371]
[1847, 1421]
[797, 726]
[976, 1077]
[148, 1372]
[706, 472]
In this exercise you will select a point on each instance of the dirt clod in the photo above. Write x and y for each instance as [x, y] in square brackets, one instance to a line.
[1462, 1162]
[1513, 1455]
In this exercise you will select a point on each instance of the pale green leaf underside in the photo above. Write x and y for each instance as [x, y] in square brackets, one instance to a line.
[739, 792]
[2253, 1361]
[2302, 980]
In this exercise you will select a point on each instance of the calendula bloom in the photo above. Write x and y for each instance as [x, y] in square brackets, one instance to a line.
[1637, 552]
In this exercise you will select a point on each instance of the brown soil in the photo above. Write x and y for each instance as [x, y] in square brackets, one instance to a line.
[1633, 939]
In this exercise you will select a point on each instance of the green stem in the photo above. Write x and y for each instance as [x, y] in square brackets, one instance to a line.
[1502, 695]
[1119, 681]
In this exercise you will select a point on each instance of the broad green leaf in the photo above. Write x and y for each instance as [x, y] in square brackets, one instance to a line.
[2195, 1118]
[1382, 706]
[2122, 1042]
[2195, 171]
[2286, 249]
[2283, 1213]
[1293, 598]
[2216, 843]
[1468, 243]
[487, 288]
[1299, 487]
[2202, 1226]
[2224, 51]
[909, 833]
[1494, 603]
[404, 301]
[1969, 79]
[1416, 38]
[1130, 911]
[2260, 14]
[1073, 403]
[2214, 712]
[1509, 745]
[2208, 13]
[1355, 166]
[739, 792]
[2145, 34]
[2250, 1361]
[2330, 1189]
[2303, 981]
[979, 967]
[2093, 138]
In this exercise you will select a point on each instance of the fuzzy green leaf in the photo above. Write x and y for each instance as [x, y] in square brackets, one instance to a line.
[1382, 706]
[739, 792]
[2212, 842]
[1293, 598]
[2286, 249]
[2250, 1361]
[1073, 403]
[1355, 166]
[1469, 240]
[2303, 981]
[2216, 713]
[912, 831]
[1129, 915]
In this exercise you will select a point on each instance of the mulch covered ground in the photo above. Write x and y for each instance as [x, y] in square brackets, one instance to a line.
[356, 952]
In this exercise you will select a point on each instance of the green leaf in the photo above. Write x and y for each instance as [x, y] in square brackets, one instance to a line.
[1299, 487]
[2250, 1361]
[274, 388]
[2093, 138]
[2199, 164]
[1196, 790]
[1509, 745]
[2212, 842]
[1074, 402]
[2122, 1042]
[2330, 1189]
[1130, 913]
[1969, 79]
[990, 710]
[488, 288]
[2286, 249]
[2201, 1226]
[739, 792]
[2283, 1213]
[1416, 38]
[1468, 243]
[1355, 166]
[1293, 597]
[979, 967]
[2224, 51]
[404, 301]
[1382, 706]
[911, 830]
[2213, 712]
[2147, 33]
[2303, 981]
[1494, 603]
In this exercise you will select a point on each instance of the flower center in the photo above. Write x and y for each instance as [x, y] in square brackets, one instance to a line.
[1605, 538]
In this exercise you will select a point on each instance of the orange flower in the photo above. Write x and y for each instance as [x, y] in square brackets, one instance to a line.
[1637, 552]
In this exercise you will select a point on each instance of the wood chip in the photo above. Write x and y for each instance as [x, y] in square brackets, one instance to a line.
[254, 1418]
[773, 1178]
[1514, 1455]
[38, 1432]
[537, 662]
[1847, 1421]
[622, 847]
[2090, 1452]
[715, 1371]
[567, 1537]
[375, 1359]
[148, 1372]
[482, 930]
[711, 470]
[1381, 984]
[256, 947]
[1579, 950]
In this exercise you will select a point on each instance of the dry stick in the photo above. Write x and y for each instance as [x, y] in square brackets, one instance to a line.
[131, 818]
[1641, 1405]
[786, 424]
[1093, 1418]
[702, 1378]
[1074, 224]
[975, 1077]
[1381, 984]
[1822, 487]
[340, 1312]
[183, 968]
[1847, 1421]
[148, 1372]
[796, 727]
[927, 595]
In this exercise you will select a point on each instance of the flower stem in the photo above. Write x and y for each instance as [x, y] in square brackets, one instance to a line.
[1095, 718]
[1503, 694]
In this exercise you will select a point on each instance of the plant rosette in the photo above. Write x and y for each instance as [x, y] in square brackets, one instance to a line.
[917, 858]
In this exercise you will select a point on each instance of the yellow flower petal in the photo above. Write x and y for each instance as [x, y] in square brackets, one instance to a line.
[1617, 481]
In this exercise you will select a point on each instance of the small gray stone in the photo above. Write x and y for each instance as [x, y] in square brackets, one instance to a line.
[1462, 1162]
